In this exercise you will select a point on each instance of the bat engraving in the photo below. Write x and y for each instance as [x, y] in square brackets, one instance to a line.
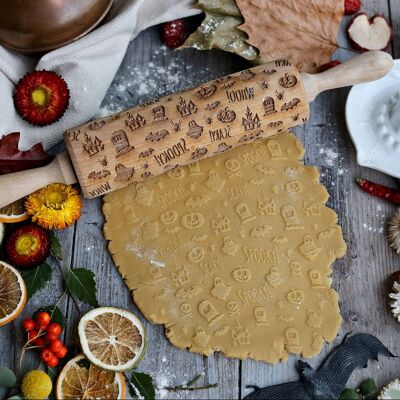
[146, 153]
[157, 136]
[290, 105]
[99, 174]
[213, 106]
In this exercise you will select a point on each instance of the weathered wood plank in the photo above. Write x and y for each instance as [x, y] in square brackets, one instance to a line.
[360, 276]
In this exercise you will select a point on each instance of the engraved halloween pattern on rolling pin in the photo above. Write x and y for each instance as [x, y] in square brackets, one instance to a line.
[180, 129]
[176, 130]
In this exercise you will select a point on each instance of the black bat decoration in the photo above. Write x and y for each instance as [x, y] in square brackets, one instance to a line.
[329, 380]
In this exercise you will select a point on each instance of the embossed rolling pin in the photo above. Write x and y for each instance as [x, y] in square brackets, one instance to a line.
[147, 140]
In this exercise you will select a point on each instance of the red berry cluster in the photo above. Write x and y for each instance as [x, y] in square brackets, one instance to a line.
[43, 334]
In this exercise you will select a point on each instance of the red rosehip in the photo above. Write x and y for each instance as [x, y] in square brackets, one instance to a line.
[28, 324]
[56, 345]
[46, 355]
[54, 329]
[52, 362]
[62, 353]
[43, 319]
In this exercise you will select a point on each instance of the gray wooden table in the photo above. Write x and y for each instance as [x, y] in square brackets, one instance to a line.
[150, 70]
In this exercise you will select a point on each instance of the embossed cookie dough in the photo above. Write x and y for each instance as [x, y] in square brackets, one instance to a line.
[233, 253]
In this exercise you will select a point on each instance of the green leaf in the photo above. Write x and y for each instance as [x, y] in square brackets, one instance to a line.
[7, 377]
[37, 278]
[81, 284]
[349, 394]
[55, 313]
[16, 397]
[55, 249]
[143, 386]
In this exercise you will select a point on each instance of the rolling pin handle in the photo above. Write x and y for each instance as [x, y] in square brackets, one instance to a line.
[26, 182]
[366, 67]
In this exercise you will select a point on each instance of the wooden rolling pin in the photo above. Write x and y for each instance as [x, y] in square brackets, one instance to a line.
[180, 129]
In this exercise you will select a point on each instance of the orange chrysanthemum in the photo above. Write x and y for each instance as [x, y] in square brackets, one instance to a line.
[56, 206]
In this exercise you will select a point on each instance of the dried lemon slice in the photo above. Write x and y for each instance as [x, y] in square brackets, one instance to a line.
[112, 338]
[80, 379]
[12, 293]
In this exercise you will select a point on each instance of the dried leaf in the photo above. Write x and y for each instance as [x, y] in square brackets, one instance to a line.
[303, 31]
[14, 160]
[219, 29]
[227, 7]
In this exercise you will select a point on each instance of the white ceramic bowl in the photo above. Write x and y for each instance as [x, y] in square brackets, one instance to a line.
[376, 148]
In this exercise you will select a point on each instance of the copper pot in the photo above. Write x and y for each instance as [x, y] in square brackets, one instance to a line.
[32, 26]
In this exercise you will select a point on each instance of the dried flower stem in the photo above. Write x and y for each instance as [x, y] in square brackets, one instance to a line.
[188, 387]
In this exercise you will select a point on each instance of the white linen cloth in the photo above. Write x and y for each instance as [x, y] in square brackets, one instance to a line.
[88, 65]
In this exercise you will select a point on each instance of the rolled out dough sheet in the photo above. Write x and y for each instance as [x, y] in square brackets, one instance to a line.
[232, 254]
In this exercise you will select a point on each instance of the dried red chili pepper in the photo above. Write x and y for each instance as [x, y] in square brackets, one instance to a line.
[379, 190]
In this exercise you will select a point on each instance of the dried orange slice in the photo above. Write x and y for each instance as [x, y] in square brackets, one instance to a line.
[112, 338]
[14, 212]
[1, 232]
[12, 293]
[80, 379]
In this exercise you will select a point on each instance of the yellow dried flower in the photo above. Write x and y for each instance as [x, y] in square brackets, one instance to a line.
[55, 206]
